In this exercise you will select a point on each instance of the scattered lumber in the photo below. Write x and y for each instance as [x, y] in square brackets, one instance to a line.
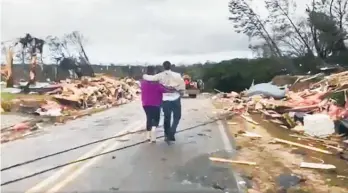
[250, 120]
[317, 166]
[231, 161]
[301, 145]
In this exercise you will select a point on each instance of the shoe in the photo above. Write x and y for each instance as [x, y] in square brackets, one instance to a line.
[153, 135]
[148, 135]
[170, 142]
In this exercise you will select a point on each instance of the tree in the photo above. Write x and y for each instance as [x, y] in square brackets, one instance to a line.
[62, 50]
[280, 13]
[31, 47]
[8, 52]
[319, 37]
[59, 48]
[338, 9]
[261, 50]
[328, 22]
[77, 39]
[3, 49]
[246, 21]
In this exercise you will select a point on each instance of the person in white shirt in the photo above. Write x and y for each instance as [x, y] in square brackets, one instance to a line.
[171, 101]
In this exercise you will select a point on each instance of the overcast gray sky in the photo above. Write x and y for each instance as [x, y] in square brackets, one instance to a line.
[132, 30]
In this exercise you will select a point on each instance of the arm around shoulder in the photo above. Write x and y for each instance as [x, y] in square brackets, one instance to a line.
[155, 77]
[182, 84]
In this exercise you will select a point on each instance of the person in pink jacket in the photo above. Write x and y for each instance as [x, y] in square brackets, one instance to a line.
[151, 97]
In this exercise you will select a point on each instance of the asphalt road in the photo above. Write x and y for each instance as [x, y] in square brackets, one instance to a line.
[183, 166]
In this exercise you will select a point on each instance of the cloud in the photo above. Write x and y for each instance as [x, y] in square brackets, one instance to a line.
[132, 30]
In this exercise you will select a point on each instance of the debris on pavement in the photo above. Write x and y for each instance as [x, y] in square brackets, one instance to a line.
[249, 119]
[303, 146]
[317, 166]
[305, 114]
[21, 126]
[50, 108]
[232, 123]
[232, 161]
[342, 177]
[314, 106]
[250, 134]
[276, 159]
[68, 99]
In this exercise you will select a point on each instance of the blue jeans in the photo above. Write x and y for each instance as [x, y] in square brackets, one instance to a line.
[169, 108]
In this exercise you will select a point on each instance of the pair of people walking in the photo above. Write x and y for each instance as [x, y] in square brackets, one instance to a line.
[162, 90]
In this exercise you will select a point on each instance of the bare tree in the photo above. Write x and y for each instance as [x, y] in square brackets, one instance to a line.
[34, 47]
[262, 50]
[77, 39]
[62, 50]
[280, 13]
[328, 26]
[287, 38]
[7, 70]
[3, 49]
[339, 10]
[59, 48]
[246, 21]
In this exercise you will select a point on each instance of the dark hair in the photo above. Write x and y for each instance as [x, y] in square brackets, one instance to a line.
[167, 65]
[150, 70]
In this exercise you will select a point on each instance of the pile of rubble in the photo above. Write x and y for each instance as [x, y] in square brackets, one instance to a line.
[310, 111]
[69, 99]
[101, 90]
[81, 94]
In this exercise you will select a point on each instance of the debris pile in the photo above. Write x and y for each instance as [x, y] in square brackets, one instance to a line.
[311, 111]
[69, 99]
[77, 94]
[90, 92]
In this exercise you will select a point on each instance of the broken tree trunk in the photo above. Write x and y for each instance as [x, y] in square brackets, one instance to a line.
[9, 69]
[32, 73]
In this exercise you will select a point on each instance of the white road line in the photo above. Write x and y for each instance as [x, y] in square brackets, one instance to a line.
[61, 172]
[80, 170]
[228, 147]
[226, 141]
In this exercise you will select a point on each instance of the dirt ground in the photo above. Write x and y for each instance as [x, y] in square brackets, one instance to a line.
[279, 164]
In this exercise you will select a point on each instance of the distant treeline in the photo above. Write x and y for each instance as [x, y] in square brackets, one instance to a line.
[227, 75]
[238, 74]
